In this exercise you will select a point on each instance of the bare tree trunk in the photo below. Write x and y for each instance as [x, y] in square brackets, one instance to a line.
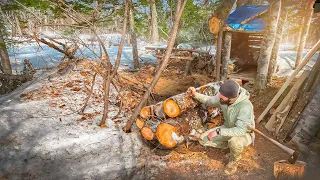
[18, 26]
[136, 64]
[276, 46]
[5, 61]
[108, 76]
[226, 55]
[180, 6]
[304, 34]
[267, 45]
[154, 23]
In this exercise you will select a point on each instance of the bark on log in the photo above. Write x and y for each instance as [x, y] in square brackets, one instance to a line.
[275, 50]
[180, 7]
[284, 170]
[226, 55]
[267, 45]
[305, 30]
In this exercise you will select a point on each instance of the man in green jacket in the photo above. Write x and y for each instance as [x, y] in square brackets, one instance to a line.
[237, 112]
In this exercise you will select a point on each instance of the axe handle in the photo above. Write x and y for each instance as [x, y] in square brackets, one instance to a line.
[285, 148]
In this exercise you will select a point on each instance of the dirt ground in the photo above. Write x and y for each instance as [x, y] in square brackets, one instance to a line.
[196, 161]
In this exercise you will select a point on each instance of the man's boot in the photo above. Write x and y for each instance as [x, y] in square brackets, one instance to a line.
[231, 167]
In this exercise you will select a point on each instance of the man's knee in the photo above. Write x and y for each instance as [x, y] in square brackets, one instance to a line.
[235, 143]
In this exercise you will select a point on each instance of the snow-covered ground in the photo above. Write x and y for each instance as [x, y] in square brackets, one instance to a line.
[41, 141]
[43, 56]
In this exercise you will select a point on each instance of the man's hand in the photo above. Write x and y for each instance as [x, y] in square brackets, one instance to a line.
[212, 135]
[191, 91]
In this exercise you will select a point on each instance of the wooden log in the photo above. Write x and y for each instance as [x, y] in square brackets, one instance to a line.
[272, 124]
[284, 170]
[286, 84]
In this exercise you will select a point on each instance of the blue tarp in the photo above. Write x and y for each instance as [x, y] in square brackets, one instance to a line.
[244, 12]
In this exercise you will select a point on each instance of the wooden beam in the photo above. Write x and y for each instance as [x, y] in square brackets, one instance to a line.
[306, 59]
[230, 29]
[252, 17]
[285, 105]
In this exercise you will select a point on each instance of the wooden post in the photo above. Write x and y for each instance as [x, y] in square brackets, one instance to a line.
[284, 170]
[218, 55]
[226, 55]
[180, 6]
[286, 84]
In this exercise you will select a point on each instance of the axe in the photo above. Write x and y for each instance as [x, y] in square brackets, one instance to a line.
[293, 154]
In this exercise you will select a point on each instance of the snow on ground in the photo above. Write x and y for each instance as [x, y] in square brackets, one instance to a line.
[44, 56]
[42, 139]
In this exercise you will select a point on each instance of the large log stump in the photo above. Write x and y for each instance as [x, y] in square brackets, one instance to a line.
[284, 170]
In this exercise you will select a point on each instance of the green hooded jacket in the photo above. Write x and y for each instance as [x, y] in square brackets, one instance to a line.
[236, 116]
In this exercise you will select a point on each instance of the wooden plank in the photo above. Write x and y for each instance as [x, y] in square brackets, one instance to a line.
[306, 59]
[252, 17]
[230, 29]
[285, 104]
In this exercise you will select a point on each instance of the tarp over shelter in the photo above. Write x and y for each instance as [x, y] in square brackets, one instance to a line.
[246, 12]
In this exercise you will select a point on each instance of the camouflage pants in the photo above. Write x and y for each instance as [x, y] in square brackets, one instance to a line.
[236, 143]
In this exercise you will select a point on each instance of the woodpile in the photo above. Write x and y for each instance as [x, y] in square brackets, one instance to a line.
[173, 119]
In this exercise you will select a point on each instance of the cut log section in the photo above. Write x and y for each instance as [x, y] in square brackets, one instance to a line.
[145, 112]
[165, 133]
[284, 170]
[171, 108]
[147, 133]
[140, 123]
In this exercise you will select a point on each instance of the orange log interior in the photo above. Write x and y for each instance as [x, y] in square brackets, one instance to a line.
[171, 108]
[164, 135]
[147, 133]
[145, 112]
[140, 123]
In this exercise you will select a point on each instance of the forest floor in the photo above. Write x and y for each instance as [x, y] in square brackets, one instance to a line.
[44, 137]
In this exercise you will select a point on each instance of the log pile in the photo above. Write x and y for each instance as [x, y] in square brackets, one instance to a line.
[169, 122]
